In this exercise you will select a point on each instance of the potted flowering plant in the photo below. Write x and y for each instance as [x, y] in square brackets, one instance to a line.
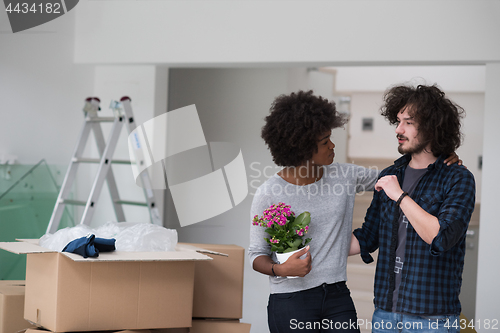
[285, 230]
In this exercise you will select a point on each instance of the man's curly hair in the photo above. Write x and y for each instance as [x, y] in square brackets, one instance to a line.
[437, 118]
[294, 124]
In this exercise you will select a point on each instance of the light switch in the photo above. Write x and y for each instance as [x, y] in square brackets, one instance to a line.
[367, 124]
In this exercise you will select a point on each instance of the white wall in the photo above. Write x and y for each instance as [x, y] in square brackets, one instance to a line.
[42, 92]
[378, 143]
[489, 246]
[242, 33]
[464, 78]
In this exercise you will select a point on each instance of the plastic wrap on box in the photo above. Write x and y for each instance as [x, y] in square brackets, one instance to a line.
[131, 237]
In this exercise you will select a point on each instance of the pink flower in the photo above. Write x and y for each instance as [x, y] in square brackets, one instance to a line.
[276, 217]
[300, 232]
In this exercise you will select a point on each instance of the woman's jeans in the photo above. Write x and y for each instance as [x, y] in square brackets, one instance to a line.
[384, 321]
[327, 308]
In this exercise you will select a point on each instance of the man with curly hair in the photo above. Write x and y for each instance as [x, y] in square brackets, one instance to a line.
[419, 216]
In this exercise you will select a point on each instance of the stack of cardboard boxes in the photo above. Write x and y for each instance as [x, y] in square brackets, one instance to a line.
[197, 289]
[12, 306]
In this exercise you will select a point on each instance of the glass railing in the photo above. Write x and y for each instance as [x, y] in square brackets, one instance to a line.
[28, 194]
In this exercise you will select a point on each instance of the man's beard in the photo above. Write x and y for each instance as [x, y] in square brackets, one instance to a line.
[411, 150]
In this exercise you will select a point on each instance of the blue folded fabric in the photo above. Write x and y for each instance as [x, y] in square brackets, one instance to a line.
[90, 246]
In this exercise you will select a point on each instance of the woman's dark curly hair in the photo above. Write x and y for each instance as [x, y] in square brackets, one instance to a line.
[294, 124]
[437, 117]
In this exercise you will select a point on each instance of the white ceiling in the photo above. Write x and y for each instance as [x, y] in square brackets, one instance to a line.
[375, 79]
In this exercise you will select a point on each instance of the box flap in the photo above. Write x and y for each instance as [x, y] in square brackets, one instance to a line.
[23, 247]
[29, 240]
[141, 256]
[183, 252]
[189, 247]
[12, 287]
[12, 283]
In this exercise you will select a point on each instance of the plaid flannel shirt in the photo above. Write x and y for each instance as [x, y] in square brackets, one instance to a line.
[432, 274]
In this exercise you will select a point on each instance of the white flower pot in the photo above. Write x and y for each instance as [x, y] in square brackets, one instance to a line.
[282, 257]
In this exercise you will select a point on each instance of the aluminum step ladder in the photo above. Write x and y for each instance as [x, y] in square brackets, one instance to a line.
[122, 115]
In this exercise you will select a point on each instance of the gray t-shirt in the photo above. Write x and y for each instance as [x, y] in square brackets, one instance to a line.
[330, 201]
[412, 176]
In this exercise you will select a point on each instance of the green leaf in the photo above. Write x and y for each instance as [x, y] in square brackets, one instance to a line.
[307, 241]
[291, 249]
[302, 219]
[297, 242]
[271, 231]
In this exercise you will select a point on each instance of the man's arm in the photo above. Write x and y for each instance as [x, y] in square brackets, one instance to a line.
[365, 240]
[426, 225]
[444, 230]
[455, 212]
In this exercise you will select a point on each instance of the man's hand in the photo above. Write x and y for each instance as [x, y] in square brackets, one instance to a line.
[391, 187]
[295, 266]
[425, 224]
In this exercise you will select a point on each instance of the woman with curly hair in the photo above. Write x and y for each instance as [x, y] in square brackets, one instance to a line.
[298, 134]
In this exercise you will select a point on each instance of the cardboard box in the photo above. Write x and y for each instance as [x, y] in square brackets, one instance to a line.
[219, 326]
[33, 330]
[218, 284]
[116, 291]
[12, 306]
